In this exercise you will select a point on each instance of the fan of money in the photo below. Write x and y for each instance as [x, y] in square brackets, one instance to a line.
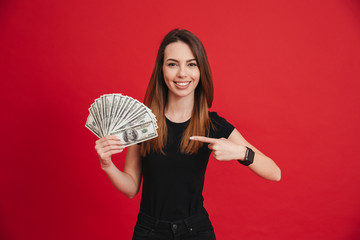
[123, 116]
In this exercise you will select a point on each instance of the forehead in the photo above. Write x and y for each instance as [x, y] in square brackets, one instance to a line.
[179, 51]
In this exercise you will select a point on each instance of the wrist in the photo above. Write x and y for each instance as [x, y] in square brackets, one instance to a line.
[106, 166]
[242, 153]
[248, 157]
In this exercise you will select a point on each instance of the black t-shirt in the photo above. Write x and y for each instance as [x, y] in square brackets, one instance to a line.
[173, 183]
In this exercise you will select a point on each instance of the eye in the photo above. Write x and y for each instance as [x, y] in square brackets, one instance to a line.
[171, 64]
[192, 64]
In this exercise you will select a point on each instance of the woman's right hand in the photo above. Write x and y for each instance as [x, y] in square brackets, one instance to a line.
[106, 147]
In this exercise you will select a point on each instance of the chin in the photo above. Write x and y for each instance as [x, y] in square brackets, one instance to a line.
[182, 95]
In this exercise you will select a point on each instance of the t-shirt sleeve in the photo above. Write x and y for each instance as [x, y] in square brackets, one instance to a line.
[220, 127]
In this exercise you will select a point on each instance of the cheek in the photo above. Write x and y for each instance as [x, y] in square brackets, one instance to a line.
[167, 79]
[195, 75]
[168, 75]
[164, 73]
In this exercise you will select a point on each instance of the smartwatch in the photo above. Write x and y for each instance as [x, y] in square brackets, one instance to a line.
[249, 157]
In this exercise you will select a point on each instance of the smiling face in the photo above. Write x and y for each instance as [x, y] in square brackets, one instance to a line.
[181, 71]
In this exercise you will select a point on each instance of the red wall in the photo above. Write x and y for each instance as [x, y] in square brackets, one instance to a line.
[286, 74]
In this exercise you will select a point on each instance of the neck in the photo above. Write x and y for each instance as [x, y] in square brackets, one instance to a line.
[179, 109]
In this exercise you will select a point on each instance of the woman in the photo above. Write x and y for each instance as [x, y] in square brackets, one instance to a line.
[173, 165]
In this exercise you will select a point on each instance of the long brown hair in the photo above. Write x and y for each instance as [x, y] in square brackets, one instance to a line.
[157, 91]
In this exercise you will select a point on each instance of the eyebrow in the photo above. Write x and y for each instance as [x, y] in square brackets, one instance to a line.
[171, 59]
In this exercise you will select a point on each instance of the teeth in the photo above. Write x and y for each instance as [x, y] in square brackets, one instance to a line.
[182, 83]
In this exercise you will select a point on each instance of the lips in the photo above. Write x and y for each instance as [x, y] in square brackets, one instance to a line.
[182, 84]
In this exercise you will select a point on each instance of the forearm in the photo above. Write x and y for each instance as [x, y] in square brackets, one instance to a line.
[262, 165]
[265, 167]
[234, 148]
[122, 181]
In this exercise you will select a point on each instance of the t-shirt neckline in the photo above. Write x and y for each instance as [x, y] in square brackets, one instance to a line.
[177, 123]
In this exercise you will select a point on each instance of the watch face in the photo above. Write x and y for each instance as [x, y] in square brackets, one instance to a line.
[247, 154]
[251, 155]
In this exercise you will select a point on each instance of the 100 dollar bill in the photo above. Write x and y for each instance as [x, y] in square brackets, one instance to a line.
[136, 134]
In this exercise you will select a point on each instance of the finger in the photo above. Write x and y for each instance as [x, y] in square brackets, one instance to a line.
[108, 137]
[110, 148]
[219, 155]
[203, 139]
[109, 143]
[101, 150]
[112, 152]
[211, 147]
[100, 146]
[108, 154]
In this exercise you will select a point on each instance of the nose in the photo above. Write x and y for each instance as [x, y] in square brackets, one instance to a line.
[181, 72]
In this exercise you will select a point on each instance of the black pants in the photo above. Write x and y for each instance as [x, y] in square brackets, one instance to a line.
[195, 227]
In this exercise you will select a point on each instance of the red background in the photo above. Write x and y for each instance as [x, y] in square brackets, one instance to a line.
[286, 74]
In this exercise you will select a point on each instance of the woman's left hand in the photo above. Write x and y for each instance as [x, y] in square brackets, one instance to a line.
[222, 148]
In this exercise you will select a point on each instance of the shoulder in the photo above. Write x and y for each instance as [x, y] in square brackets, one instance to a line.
[220, 127]
[216, 119]
[214, 116]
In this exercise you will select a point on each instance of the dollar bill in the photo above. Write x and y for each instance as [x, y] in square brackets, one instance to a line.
[140, 119]
[136, 134]
[117, 110]
[96, 116]
[93, 126]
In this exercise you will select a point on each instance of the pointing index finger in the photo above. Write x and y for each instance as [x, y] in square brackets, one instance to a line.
[203, 139]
